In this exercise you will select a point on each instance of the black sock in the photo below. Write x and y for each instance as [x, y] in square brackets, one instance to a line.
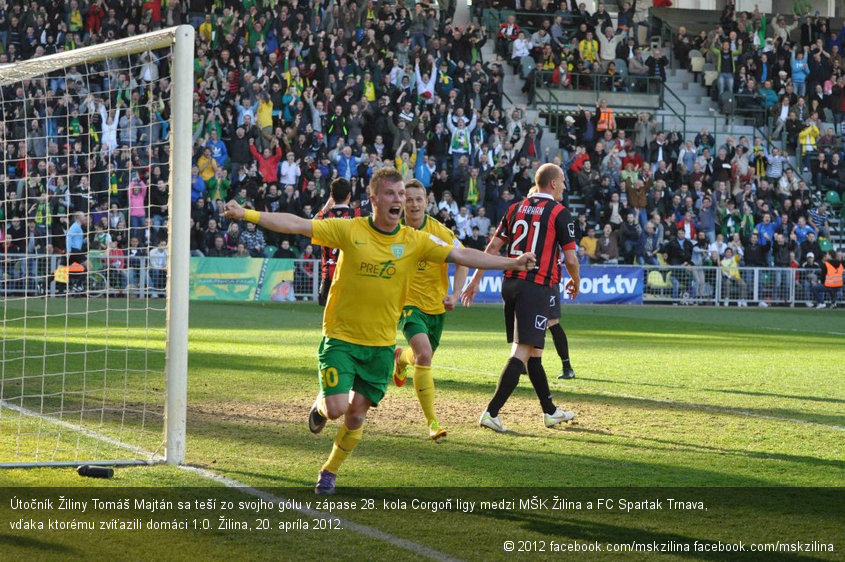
[507, 383]
[541, 384]
[561, 344]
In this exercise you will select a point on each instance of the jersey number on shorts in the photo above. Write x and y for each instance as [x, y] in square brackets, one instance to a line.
[520, 231]
[329, 377]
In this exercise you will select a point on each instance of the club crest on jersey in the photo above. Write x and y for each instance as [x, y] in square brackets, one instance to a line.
[398, 250]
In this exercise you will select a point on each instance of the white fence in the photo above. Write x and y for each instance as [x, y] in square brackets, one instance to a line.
[762, 286]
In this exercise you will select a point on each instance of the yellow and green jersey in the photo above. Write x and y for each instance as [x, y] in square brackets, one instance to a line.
[431, 283]
[373, 276]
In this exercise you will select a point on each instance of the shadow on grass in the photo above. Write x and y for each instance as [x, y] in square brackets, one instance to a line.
[8, 542]
[513, 464]
[677, 445]
[833, 421]
[579, 528]
[719, 390]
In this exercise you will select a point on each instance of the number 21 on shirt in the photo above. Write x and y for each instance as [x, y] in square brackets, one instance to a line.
[520, 231]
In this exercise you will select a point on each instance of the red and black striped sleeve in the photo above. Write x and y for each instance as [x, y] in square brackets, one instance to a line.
[565, 230]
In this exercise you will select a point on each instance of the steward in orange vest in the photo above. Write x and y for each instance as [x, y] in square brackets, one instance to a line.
[63, 272]
[606, 120]
[832, 284]
[833, 273]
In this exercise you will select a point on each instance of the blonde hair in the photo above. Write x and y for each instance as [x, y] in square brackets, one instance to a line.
[382, 176]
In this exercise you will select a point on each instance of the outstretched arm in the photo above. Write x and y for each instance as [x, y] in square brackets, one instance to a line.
[471, 290]
[484, 260]
[277, 222]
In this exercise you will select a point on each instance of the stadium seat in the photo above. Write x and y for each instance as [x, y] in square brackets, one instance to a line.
[695, 53]
[656, 282]
[696, 64]
[833, 198]
[710, 76]
[270, 251]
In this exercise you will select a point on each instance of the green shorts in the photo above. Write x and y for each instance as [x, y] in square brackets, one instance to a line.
[345, 366]
[414, 321]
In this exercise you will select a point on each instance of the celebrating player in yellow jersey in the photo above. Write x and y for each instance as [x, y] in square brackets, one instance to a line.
[425, 309]
[378, 261]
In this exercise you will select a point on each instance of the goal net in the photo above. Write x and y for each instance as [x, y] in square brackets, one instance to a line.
[96, 157]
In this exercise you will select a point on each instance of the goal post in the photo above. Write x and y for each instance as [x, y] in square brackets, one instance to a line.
[175, 412]
[94, 361]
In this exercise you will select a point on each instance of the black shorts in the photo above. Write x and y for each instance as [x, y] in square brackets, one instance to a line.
[528, 307]
[554, 303]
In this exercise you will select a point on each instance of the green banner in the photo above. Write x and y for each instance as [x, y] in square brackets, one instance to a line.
[241, 279]
[276, 283]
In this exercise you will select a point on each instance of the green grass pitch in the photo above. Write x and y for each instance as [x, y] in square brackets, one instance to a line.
[674, 396]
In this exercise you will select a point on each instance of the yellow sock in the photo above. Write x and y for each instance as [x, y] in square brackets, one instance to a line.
[424, 385]
[345, 441]
[407, 357]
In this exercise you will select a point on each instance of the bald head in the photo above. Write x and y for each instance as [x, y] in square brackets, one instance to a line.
[546, 174]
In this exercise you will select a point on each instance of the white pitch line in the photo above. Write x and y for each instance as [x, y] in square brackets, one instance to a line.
[706, 407]
[365, 530]
[152, 457]
[776, 329]
[371, 532]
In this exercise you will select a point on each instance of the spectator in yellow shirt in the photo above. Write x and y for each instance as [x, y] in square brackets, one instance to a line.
[207, 165]
[589, 48]
[590, 243]
[206, 30]
[807, 137]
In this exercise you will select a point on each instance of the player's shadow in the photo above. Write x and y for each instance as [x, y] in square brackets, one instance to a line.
[719, 390]
[8, 542]
[258, 480]
[577, 429]
[647, 403]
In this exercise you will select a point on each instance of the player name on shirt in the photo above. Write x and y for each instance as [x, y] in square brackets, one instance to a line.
[540, 225]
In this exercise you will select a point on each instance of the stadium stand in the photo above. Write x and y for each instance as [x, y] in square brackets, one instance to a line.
[292, 94]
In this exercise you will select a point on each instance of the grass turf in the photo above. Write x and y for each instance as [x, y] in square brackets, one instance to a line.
[665, 397]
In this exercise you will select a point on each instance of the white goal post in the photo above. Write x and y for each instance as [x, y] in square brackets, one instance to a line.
[92, 410]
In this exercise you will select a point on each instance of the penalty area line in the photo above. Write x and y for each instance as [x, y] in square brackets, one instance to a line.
[704, 407]
[366, 530]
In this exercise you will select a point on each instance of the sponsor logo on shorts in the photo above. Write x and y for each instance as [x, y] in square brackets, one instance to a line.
[540, 322]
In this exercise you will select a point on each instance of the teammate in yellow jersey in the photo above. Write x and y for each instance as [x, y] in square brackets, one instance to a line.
[377, 263]
[425, 310]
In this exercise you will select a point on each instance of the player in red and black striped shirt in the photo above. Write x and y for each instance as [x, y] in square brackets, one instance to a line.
[339, 190]
[538, 224]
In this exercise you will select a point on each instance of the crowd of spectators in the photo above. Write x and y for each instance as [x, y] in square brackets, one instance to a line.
[289, 95]
[651, 196]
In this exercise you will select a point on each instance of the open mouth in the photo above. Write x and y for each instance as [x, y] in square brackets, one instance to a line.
[395, 211]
